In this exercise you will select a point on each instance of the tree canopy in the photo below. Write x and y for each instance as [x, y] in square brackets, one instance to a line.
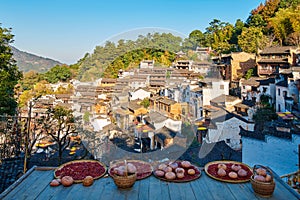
[58, 73]
[9, 73]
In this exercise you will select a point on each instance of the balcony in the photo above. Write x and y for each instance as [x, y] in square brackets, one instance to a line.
[266, 71]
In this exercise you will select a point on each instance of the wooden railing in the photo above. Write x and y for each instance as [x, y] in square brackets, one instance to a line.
[266, 71]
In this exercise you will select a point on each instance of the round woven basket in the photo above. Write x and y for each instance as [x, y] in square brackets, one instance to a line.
[264, 189]
[126, 181]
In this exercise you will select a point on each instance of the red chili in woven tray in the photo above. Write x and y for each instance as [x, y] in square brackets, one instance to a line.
[79, 170]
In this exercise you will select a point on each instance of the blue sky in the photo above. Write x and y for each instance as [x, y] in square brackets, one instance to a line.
[66, 29]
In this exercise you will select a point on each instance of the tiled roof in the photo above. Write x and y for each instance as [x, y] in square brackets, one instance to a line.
[167, 101]
[108, 80]
[273, 61]
[224, 98]
[253, 81]
[133, 105]
[155, 117]
[278, 50]
[282, 84]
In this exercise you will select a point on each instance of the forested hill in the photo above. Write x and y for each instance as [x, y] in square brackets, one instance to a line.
[106, 60]
[27, 61]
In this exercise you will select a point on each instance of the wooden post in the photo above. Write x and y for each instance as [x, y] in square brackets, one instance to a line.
[27, 137]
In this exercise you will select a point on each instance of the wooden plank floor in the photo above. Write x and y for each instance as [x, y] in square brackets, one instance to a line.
[36, 186]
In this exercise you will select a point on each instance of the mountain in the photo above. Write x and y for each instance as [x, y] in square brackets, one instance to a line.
[27, 61]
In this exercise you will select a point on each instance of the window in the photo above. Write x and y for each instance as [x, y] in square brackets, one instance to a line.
[278, 91]
[284, 94]
[264, 89]
[222, 87]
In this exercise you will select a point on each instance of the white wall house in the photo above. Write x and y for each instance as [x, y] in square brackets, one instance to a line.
[139, 94]
[100, 122]
[214, 88]
[147, 64]
[281, 93]
[196, 103]
[228, 131]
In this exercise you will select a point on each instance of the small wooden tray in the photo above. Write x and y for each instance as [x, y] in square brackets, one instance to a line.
[187, 177]
[82, 161]
[144, 169]
[211, 167]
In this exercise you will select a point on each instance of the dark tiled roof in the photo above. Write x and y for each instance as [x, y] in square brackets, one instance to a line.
[267, 81]
[281, 61]
[164, 133]
[282, 84]
[167, 101]
[60, 96]
[278, 50]
[224, 98]
[155, 117]
[253, 81]
[108, 80]
[133, 105]
[249, 103]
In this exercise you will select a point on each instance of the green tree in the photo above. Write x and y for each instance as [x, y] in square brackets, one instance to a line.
[250, 73]
[289, 3]
[145, 102]
[218, 35]
[263, 115]
[238, 27]
[9, 73]
[58, 73]
[86, 117]
[286, 23]
[252, 39]
[29, 79]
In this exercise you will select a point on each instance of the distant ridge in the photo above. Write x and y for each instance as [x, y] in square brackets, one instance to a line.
[27, 61]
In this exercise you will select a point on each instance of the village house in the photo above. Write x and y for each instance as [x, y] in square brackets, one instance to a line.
[167, 106]
[283, 100]
[136, 108]
[213, 87]
[139, 81]
[140, 93]
[122, 117]
[273, 60]
[203, 67]
[253, 88]
[196, 103]
[234, 66]
[226, 101]
[180, 54]
[183, 64]
[225, 126]
[203, 53]
[146, 64]
[99, 122]
[166, 131]
[84, 98]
